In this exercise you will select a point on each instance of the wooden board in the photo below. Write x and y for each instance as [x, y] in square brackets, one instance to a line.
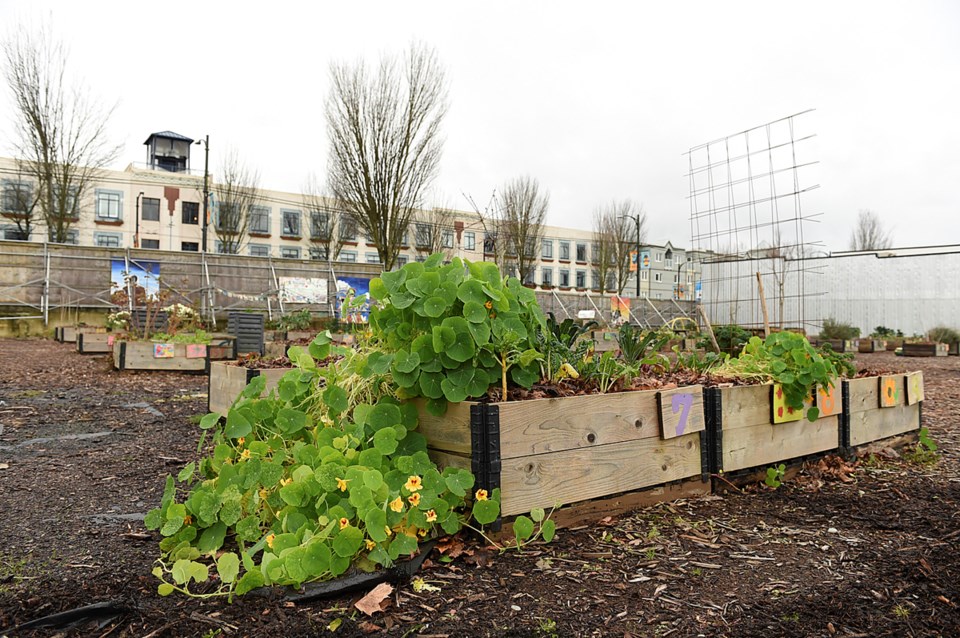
[745, 406]
[95, 342]
[891, 391]
[864, 394]
[681, 411]
[872, 425]
[569, 476]
[450, 432]
[228, 381]
[446, 459]
[913, 381]
[766, 443]
[139, 355]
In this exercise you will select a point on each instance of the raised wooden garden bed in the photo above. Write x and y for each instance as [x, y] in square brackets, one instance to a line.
[546, 452]
[839, 345]
[297, 335]
[227, 381]
[882, 407]
[604, 340]
[181, 357]
[925, 349]
[68, 334]
[744, 433]
[97, 342]
[871, 345]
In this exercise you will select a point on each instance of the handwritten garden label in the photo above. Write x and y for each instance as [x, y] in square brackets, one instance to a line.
[890, 394]
[827, 401]
[163, 351]
[681, 411]
[914, 384]
[196, 350]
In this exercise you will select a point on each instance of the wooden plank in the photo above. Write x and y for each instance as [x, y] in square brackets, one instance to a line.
[913, 381]
[891, 392]
[567, 423]
[745, 406]
[450, 432]
[570, 476]
[95, 342]
[226, 384]
[897, 442]
[140, 356]
[445, 459]
[766, 443]
[872, 425]
[681, 411]
[864, 394]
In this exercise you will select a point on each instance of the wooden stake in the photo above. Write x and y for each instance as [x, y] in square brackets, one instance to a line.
[763, 307]
[706, 321]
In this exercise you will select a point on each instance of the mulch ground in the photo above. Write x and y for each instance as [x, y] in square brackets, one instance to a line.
[841, 549]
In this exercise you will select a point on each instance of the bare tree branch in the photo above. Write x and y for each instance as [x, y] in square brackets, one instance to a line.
[615, 236]
[385, 143]
[325, 240]
[869, 233]
[514, 227]
[237, 194]
[433, 231]
[60, 133]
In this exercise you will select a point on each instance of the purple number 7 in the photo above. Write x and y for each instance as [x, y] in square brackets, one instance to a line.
[681, 403]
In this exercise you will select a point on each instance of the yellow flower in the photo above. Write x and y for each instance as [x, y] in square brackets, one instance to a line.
[270, 538]
[264, 494]
[488, 305]
[567, 370]
[414, 499]
[245, 454]
[413, 484]
[370, 545]
[187, 520]
[421, 533]
[342, 484]
[396, 504]
[481, 495]
[285, 482]
[388, 530]
[431, 516]
[344, 523]
[240, 441]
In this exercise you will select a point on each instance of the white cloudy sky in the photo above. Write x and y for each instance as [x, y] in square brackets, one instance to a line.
[596, 100]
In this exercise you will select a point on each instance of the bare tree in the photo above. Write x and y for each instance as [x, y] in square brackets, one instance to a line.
[60, 133]
[325, 240]
[18, 203]
[514, 226]
[433, 231]
[385, 144]
[615, 236]
[869, 233]
[237, 194]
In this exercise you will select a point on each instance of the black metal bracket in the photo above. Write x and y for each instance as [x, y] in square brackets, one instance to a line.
[713, 407]
[123, 355]
[845, 419]
[485, 459]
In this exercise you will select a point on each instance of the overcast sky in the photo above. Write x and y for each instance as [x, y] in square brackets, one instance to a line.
[596, 100]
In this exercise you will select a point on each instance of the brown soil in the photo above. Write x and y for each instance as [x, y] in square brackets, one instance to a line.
[842, 549]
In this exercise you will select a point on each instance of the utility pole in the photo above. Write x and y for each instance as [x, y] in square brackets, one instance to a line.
[206, 188]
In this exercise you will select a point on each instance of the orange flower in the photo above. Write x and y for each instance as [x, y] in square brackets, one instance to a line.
[396, 504]
[240, 441]
[431, 516]
[488, 305]
[270, 538]
[187, 520]
[481, 495]
[370, 545]
[413, 484]
[344, 523]
[342, 484]
[414, 499]
[245, 454]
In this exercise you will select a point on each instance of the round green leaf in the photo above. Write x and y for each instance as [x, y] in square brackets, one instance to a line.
[459, 483]
[452, 392]
[237, 425]
[383, 415]
[549, 530]
[316, 558]
[474, 312]
[348, 541]
[385, 441]
[486, 512]
[336, 399]
[376, 522]
[393, 280]
[522, 528]
[212, 538]
[430, 384]
[471, 290]
[228, 567]
[164, 589]
[402, 545]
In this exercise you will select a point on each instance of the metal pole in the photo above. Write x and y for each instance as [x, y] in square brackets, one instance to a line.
[206, 188]
[637, 220]
[136, 234]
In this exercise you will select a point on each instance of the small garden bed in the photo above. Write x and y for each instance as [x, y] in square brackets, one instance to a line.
[228, 379]
[180, 355]
[97, 342]
[68, 334]
[926, 349]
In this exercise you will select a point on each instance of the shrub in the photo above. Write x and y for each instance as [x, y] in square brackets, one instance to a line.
[833, 329]
[731, 338]
[943, 334]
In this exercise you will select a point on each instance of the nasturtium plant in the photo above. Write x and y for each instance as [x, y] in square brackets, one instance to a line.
[456, 329]
[325, 473]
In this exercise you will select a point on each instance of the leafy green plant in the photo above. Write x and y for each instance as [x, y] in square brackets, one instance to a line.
[833, 329]
[638, 346]
[925, 452]
[730, 337]
[696, 362]
[527, 529]
[882, 332]
[943, 334]
[775, 474]
[298, 320]
[787, 358]
[200, 336]
[449, 332]
[568, 331]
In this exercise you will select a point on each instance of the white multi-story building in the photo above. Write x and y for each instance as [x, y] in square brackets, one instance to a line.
[159, 205]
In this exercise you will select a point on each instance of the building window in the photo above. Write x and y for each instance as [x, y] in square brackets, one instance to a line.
[658, 256]
[546, 277]
[69, 202]
[107, 240]
[581, 279]
[581, 252]
[190, 246]
[470, 241]
[595, 251]
[611, 281]
[676, 279]
[564, 251]
[372, 258]
[150, 209]
[259, 250]
[657, 276]
[71, 237]
[153, 244]
[348, 231]
[260, 220]
[110, 205]
[546, 250]
[564, 278]
[348, 256]
[644, 275]
[291, 223]
[319, 253]
[17, 197]
[190, 213]
[13, 233]
[423, 235]
[289, 252]
[595, 279]
[446, 239]
[319, 225]
[489, 243]
[227, 220]
[402, 261]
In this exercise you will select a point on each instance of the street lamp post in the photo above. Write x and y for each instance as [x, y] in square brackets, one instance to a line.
[136, 234]
[679, 266]
[206, 188]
